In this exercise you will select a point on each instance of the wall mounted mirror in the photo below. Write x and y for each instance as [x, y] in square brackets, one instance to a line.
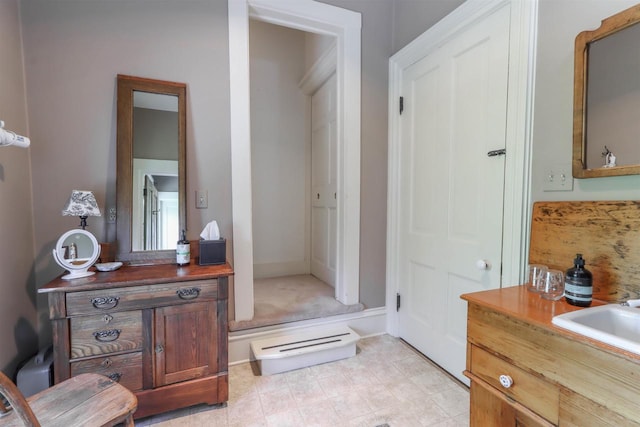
[151, 169]
[606, 110]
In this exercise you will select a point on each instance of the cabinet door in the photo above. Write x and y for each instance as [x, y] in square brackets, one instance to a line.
[185, 342]
[489, 407]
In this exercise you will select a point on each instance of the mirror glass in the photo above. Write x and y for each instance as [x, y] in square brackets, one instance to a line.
[155, 223]
[151, 169]
[607, 98]
[77, 249]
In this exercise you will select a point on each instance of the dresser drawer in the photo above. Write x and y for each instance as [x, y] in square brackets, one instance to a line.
[106, 333]
[137, 297]
[124, 368]
[538, 395]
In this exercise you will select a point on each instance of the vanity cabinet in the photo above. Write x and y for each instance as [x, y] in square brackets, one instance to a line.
[525, 371]
[159, 330]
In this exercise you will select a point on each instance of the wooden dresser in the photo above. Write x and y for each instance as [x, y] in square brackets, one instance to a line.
[555, 377]
[159, 330]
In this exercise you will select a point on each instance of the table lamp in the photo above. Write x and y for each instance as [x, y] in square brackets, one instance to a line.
[83, 204]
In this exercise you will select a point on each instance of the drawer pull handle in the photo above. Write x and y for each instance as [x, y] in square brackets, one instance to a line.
[115, 376]
[188, 293]
[108, 335]
[506, 381]
[105, 303]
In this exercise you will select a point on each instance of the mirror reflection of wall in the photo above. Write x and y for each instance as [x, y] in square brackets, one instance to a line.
[613, 101]
[83, 249]
[155, 219]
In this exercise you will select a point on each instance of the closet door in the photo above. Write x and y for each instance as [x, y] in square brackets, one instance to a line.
[323, 182]
[451, 197]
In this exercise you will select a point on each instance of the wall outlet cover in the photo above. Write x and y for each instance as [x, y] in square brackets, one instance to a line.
[202, 199]
[558, 177]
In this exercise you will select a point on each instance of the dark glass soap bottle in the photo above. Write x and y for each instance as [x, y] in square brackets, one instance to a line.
[578, 285]
[183, 250]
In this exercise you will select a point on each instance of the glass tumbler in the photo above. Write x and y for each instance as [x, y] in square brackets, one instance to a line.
[553, 285]
[536, 275]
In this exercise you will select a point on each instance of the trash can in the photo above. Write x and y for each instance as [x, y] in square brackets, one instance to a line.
[37, 374]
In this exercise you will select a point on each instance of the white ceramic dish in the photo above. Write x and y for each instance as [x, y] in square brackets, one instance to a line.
[108, 266]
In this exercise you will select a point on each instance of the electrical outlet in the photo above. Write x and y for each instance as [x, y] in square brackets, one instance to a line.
[111, 216]
[558, 177]
[202, 199]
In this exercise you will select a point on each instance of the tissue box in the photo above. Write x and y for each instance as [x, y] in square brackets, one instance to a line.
[213, 252]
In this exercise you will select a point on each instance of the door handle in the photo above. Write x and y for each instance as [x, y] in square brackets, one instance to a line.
[482, 264]
[500, 152]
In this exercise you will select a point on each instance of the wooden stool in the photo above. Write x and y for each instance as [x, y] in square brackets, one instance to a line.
[83, 400]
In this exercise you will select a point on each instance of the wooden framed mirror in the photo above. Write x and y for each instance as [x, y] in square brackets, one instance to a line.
[606, 108]
[151, 169]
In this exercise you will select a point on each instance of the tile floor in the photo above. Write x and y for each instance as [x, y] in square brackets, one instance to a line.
[386, 384]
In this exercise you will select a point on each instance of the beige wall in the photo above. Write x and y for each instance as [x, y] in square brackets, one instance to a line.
[559, 23]
[18, 322]
[279, 150]
[413, 17]
[73, 51]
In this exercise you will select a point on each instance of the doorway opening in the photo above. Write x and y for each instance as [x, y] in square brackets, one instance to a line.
[344, 26]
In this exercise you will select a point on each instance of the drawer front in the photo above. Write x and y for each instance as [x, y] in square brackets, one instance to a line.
[538, 395]
[137, 297]
[106, 333]
[124, 368]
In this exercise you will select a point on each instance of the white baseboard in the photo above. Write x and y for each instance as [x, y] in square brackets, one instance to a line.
[366, 323]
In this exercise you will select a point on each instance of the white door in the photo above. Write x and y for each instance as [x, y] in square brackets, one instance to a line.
[451, 197]
[323, 182]
[150, 214]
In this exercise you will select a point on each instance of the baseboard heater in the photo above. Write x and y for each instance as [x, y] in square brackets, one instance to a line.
[312, 347]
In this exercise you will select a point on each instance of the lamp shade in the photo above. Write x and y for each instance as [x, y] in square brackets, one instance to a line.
[81, 203]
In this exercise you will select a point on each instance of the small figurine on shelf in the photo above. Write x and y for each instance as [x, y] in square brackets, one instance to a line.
[609, 158]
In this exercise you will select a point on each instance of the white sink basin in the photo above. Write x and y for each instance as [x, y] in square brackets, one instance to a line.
[613, 324]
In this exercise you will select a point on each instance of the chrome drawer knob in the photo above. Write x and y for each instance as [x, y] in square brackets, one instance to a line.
[506, 381]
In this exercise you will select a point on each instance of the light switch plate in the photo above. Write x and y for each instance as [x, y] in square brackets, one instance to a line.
[202, 199]
[558, 177]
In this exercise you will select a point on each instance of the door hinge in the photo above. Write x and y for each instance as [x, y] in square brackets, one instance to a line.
[401, 104]
[398, 301]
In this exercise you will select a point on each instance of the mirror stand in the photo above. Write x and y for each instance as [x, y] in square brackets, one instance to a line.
[76, 251]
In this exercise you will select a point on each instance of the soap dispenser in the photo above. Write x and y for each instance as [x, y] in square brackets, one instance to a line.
[183, 250]
[578, 287]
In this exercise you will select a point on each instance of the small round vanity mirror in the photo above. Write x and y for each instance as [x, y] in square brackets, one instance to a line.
[76, 251]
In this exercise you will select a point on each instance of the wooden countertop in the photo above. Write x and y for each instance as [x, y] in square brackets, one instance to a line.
[529, 307]
[139, 275]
